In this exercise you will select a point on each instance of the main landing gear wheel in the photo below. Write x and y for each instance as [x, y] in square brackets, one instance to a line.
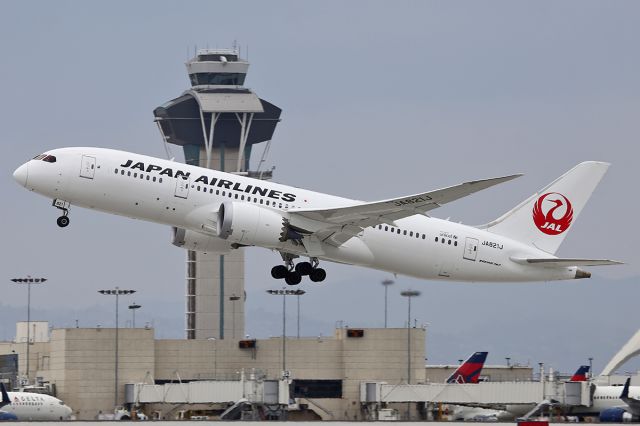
[279, 272]
[317, 275]
[293, 278]
[63, 221]
[304, 268]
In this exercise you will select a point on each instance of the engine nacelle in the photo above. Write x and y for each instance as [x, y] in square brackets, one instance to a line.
[250, 225]
[191, 240]
[615, 415]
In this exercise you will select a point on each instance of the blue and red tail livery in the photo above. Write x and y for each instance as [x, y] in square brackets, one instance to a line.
[469, 371]
[581, 374]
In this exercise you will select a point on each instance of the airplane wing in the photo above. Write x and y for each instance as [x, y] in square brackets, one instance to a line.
[633, 403]
[342, 223]
[556, 262]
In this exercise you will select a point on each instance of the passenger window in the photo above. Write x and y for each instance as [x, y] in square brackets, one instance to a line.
[148, 177]
[436, 239]
[198, 188]
[116, 171]
[218, 192]
[443, 241]
[242, 198]
[423, 236]
[398, 231]
[210, 190]
[261, 201]
[386, 228]
[122, 172]
[224, 193]
[236, 196]
[160, 180]
[455, 243]
[405, 232]
[449, 242]
[280, 206]
[129, 173]
[141, 176]
[411, 234]
[154, 178]
[135, 175]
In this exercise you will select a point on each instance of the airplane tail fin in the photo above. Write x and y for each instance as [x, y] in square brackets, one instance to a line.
[581, 374]
[469, 371]
[544, 219]
[5, 396]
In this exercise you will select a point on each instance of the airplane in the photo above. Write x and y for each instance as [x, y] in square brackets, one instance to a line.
[469, 371]
[613, 405]
[217, 212]
[32, 406]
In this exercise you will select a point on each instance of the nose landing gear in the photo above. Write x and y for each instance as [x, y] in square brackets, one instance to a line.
[62, 221]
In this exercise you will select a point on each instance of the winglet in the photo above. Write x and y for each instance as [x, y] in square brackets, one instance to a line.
[5, 396]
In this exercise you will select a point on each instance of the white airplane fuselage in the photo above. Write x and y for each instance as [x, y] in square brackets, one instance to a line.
[28, 406]
[184, 196]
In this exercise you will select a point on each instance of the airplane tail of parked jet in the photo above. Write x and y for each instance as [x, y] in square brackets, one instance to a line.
[544, 219]
[581, 374]
[469, 371]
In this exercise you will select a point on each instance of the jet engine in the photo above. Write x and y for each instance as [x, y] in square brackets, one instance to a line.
[191, 240]
[249, 225]
[615, 415]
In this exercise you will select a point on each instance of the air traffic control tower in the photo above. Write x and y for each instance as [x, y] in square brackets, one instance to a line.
[217, 122]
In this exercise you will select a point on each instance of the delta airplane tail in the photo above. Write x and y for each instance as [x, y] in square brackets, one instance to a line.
[581, 374]
[544, 219]
[469, 371]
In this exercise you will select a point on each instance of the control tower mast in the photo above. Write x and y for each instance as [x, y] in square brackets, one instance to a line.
[217, 122]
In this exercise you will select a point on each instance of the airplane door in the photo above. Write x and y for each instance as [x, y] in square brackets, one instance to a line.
[471, 249]
[182, 188]
[88, 167]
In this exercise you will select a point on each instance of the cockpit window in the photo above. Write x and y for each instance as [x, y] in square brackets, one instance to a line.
[46, 157]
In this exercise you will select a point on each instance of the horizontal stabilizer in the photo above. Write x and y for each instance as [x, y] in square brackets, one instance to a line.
[553, 262]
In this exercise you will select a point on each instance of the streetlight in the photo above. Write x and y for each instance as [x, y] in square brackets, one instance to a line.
[409, 294]
[28, 281]
[386, 283]
[298, 297]
[233, 298]
[590, 367]
[284, 293]
[117, 292]
[133, 308]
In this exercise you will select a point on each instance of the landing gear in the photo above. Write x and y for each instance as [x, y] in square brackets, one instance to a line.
[293, 274]
[62, 221]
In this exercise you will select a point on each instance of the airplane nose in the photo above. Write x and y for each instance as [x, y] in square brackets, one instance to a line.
[21, 174]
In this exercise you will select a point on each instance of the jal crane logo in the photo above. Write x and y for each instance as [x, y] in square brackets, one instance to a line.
[552, 213]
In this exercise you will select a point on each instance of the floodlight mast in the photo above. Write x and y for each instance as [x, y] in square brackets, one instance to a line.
[284, 293]
[28, 280]
[116, 292]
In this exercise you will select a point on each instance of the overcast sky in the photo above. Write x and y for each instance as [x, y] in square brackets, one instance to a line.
[379, 99]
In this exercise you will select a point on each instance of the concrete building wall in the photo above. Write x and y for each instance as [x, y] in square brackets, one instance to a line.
[82, 363]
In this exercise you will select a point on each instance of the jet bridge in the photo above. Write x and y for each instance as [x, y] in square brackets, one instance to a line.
[483, 394]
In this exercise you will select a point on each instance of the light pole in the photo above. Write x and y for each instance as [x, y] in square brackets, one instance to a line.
[233, 298]
[117, 292]
[409, 294]
[298, 297]
[284, 293]
[133, 308]
[386, 283]
[28, 281]
[590, 367]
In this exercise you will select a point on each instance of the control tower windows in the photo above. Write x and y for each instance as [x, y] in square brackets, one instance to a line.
[217, 78]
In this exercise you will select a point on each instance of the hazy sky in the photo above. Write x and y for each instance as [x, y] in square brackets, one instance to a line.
[379, 99]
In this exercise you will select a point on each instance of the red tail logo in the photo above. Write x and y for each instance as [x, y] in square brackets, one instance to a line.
[548, 222]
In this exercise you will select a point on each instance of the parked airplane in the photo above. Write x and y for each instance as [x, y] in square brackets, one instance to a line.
[213, 211]
[469, 371]
[612, 404]
[31, 406]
